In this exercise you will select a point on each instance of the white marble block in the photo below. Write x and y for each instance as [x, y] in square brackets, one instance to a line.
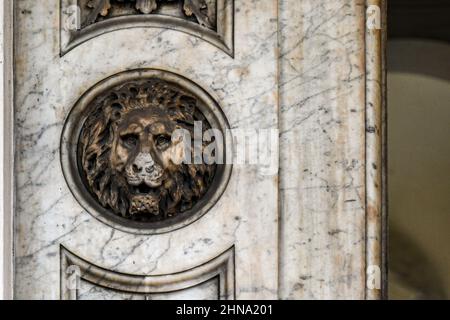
[309, 71]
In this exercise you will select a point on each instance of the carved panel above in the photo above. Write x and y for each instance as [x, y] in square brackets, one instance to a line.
[213, 280]
[126, 151]
[210, 20]
[202, 12]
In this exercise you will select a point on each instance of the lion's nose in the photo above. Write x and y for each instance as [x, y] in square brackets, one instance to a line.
[137, 168]
[143, 163]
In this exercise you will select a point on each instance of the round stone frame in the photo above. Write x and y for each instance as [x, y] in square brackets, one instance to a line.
[69, 148]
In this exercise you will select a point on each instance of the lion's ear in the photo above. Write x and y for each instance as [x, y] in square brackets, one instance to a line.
[183, 110]
[178, 115]
[112, 112]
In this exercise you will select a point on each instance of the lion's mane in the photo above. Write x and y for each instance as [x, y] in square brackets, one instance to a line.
[184, 187]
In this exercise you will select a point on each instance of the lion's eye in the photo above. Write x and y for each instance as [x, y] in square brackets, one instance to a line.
[162, 141]
[130, 140]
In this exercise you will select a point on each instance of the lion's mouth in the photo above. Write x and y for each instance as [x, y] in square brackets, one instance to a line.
[142, 188]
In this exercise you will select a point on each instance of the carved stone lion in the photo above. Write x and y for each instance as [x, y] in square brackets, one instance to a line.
[126, 152]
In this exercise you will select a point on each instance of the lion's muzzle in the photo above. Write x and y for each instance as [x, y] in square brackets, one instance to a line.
[144, 170]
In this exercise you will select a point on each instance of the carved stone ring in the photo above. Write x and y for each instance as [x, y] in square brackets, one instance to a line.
[118, 153]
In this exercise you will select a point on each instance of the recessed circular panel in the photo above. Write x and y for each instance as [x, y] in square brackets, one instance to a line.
[129, 156]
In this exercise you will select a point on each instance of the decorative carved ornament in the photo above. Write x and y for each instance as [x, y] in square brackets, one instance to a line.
[126, 152]
[210, 20]
[202, 10]
[123, 160]
[75, 269]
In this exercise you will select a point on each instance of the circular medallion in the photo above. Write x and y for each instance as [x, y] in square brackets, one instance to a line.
[134, 152]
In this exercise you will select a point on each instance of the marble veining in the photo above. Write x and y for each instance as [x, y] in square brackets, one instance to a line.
[298, 66]
[322, 182]
[81, 279]
[47, 214]
[210, 20]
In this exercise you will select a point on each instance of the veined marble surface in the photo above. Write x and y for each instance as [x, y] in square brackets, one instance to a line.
[299, 66]
[322, 135]
[48, 85]
[205, 291]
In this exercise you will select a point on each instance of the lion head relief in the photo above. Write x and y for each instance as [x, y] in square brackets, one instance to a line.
[127, 153]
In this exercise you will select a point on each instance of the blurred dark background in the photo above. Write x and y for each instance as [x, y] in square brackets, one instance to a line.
[418, 62]
[429, 19]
